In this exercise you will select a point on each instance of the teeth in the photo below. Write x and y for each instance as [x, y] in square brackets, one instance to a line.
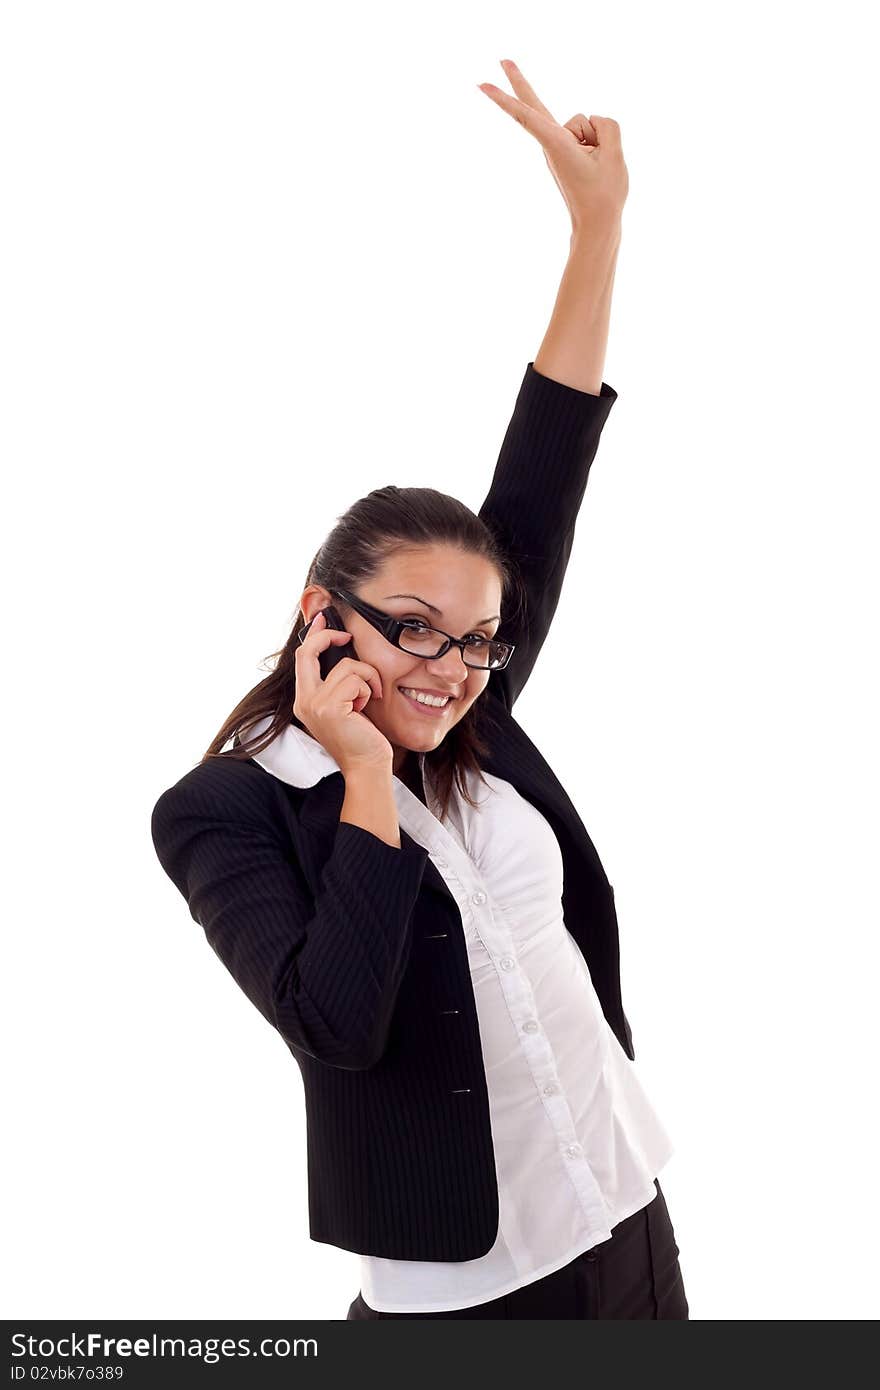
[424, 699]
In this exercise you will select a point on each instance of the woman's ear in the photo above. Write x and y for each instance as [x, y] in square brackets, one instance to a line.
[314, 597]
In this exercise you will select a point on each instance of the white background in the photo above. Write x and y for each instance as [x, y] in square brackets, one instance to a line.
[262, 258]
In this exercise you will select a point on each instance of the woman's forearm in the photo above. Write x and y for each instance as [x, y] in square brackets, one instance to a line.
[574, 346]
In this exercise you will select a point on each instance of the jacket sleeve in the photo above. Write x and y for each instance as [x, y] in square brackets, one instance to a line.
[532, 506]
[324, 970]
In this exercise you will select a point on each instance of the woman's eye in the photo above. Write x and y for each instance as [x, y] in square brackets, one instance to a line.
[419, 624]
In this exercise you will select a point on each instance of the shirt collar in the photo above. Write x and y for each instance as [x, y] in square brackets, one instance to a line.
[293, 755]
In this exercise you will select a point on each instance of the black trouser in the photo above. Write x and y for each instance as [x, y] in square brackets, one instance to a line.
[635, 1274]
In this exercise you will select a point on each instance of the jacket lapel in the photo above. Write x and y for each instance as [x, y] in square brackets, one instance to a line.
[513, 756]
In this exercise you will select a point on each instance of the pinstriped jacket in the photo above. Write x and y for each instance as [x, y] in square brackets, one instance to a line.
[333, 934]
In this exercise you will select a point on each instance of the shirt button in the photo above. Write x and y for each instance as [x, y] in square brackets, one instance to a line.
[478, 898]
[551, 1089]
[573, 1150]
[530, 1026]
[507, 963]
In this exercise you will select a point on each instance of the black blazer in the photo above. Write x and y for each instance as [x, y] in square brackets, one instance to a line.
[353, 949]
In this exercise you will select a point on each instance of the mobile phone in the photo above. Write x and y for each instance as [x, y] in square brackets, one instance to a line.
[328, 658]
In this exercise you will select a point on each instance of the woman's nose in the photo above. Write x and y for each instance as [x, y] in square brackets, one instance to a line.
[449, 668]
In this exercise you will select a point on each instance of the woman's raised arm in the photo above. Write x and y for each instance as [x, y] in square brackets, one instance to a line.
[541, 474]
[586, 160]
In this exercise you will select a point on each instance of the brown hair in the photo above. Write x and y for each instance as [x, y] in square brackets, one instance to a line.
[385, 521]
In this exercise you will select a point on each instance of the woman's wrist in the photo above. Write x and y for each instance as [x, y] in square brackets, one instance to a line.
[598, 238]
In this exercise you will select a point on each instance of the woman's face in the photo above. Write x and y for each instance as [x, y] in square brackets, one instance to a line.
[455, 591]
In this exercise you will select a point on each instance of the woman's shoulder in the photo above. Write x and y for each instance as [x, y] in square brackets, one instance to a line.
[221, 786]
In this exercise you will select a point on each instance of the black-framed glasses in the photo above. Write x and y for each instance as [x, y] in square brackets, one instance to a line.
[413, 635]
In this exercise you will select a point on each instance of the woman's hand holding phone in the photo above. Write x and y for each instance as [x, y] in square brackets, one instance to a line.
[331, 708]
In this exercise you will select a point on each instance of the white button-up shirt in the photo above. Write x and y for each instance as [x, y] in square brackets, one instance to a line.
[577, 1143]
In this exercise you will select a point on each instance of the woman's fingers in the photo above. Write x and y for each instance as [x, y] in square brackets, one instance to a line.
[608, 128]
[316, 640]
[583, 129]
[524, 91]
[535, 119]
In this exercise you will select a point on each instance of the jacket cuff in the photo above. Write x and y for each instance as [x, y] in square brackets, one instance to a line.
[362, 857]
[553, 424]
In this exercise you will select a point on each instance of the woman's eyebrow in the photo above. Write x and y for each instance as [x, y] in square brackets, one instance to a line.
[433, 609]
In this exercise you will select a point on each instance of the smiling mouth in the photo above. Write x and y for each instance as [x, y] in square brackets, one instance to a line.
[433, 703]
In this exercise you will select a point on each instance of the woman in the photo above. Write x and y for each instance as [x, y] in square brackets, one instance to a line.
[398, 881]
